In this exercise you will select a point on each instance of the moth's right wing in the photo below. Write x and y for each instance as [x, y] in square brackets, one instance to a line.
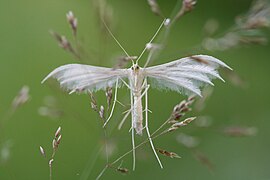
[185, 75]
[83, 78]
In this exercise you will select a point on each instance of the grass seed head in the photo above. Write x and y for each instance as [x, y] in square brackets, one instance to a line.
[42, 151]
[180, 109]
[238, 131]
[73, 22]
[122, 170]
[54, 144]
[188, 5]
[93, 102]
[58, 140]
[109, 96]
[177, 125]
[202, 158]
[57, 132]
[187, 140]
[21, 98]
[63, 42]
[168, 154]
[155, 7]
[101, 112]
[123, 60]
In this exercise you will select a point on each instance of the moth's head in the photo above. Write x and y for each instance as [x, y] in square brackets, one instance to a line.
[135, 67]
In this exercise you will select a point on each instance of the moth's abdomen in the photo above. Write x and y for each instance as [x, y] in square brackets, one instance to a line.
[138, 114]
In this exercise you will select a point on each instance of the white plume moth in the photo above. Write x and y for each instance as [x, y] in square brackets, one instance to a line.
[185, 76]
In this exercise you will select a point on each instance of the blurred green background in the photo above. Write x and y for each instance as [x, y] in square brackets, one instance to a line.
[28, 53]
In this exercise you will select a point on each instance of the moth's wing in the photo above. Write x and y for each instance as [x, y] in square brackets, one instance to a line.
[84, 78]
[185, 75]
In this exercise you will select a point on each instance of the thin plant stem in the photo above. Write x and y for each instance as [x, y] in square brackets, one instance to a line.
[106, 144]
[139, 145]
[147, 129]
[50, 172]
[114, 102]
[128, 152]
[91, 162]
[102, 172]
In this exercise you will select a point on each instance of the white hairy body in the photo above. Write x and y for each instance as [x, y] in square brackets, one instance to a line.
[136, 79]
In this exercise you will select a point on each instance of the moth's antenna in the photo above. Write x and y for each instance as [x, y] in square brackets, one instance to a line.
[151, 40]
[110, 32]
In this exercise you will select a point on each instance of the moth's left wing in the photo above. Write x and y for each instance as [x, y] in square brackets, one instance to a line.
[83, 78]
[185, 75]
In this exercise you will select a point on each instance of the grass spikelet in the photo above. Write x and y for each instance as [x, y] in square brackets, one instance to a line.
[155, 7]
[168, 154]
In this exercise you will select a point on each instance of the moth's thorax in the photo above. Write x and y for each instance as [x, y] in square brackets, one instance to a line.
[136, 77]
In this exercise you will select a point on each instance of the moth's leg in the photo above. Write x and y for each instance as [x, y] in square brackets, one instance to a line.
[133, 149]
[129, 111]
[114, 101]
[126, 84]
[120, 103]
[144, 92]
[132, 129]
[144, 84]
[124, 119]
[148, 110]
[147, 129]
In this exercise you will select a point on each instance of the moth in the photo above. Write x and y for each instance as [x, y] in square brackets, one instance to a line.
[186, 76]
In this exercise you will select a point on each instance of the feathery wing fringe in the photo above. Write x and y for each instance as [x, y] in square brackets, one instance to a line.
[185, 75]
[82, 78]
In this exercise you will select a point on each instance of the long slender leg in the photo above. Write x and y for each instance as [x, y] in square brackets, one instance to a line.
[124, 119]
[120, 103]
[144, 92]
[133, 149]
[147, 129]
[115, 100]
[132, 127]
[132, 133]
[124, 82]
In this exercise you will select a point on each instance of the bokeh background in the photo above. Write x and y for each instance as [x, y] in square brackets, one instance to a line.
[28, 53]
